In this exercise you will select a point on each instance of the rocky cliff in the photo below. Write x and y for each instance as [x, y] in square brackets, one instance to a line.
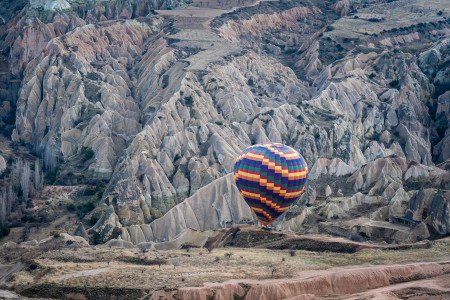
[159, 106]
[360, 204]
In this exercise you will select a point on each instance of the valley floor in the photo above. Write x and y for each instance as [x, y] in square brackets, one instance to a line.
[99, 271]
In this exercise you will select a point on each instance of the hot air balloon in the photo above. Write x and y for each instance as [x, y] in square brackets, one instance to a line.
[270, 177]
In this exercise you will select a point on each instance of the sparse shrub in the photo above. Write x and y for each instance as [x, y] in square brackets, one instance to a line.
[56, 235]
[250, 82]
[87, 153]
[292, 252]
[93, 76]
[89, 192]
[96, 238]
[175, 263]
[4, 231]
[283, 259]
[165, 81]
[355, 236]
[50, 176]
[228, 254]
[93, 220]
[189, 101]
[372, 75]
[116, 232]
[71, 207]
[84, 208]
[216, 259]
[394, 84]
[143, 261]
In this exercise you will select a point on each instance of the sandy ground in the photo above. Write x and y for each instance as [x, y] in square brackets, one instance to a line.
[367, 274]
[85, 273]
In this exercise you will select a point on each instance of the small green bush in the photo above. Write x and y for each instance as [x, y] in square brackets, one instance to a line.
[4, 231]
[71, 207]
[189, 101]
[87, 153]
[394, 84]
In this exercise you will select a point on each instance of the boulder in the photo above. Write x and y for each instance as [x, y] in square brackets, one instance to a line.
[119, 243]
[80, 231]
[106, 226]
[62, 240]
[328, 191]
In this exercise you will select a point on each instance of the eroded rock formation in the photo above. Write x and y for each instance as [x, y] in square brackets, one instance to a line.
[108, 93]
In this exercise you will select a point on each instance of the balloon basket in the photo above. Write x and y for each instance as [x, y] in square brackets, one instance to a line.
[266, 227]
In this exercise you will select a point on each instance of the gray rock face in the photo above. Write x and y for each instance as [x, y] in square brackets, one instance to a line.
[31, 30]
[62, 241]
[226, 207]
[442, 149]
[80, 231]
[2, 164]
[79, 110]
[439, 212]
[217, 205]
[105, 227]
[119, 243]
[386, 188]
[330, 167]
[117, 100]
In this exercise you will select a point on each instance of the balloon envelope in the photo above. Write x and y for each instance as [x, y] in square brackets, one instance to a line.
[270, 177]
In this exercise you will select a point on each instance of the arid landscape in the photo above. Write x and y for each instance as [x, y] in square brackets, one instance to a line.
[120, 122]
[76, 271]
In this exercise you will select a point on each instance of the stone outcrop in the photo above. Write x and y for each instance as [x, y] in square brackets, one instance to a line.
[2, 164]
[62, 240]
[217, 205]
[80, 231]
[330, 167]
[91, 108]
[119, 243]
[30, 31]
[106, 226]
[225, 206]
[118, 100]
[439, 213]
